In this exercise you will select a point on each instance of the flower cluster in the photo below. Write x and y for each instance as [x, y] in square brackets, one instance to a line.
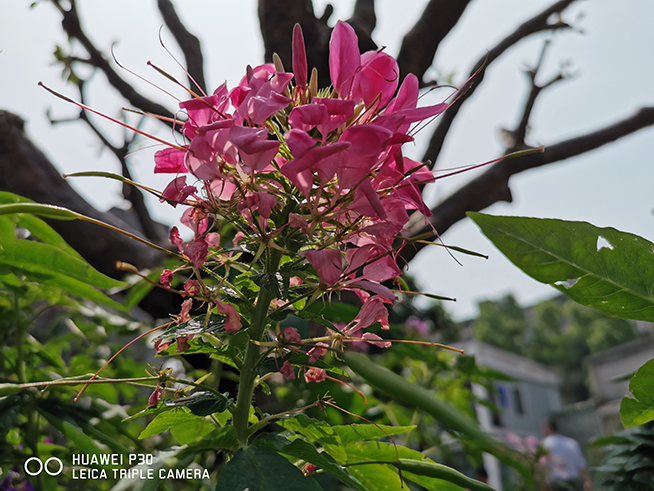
[318, 175]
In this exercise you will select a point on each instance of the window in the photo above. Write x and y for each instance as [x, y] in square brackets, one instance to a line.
[517, 402]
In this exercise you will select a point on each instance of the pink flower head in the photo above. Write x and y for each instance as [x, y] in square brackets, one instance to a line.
[316, 352]
[308, 469]
[315, 374]
[155, 397]
[166, 278]
[372, 311]
[291, 335]
[184, 313]
[233, 321]
[192, 287]
[182, 343]
[416, 325]
[287, 371]
[177, 191]
[197, 252]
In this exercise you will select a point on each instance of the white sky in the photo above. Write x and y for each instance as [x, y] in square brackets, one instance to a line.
[612, 60]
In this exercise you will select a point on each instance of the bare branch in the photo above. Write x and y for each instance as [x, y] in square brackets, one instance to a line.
[188, 43]
[73, 28]
[515, 139]
[364, 18]
[421, 42]
[539, 23]
[26, 171]
[363, 21]
[493, 185]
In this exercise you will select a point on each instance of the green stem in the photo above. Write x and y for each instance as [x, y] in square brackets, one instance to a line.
[256, 330]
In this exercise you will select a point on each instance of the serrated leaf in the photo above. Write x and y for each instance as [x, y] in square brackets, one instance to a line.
[262, 469]
[602, 268]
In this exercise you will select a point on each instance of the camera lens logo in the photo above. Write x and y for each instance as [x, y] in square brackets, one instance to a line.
[29, 469]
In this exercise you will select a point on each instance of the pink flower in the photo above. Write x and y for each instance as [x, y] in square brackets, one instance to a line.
[192, 287]
[155, 397]
[197, 252]
[287, 371]
[184, 313]
[308, 469]
[160, 345]
[177, 191]
[182, 343]
[166, 278]
[316, 352]
[372, 311]
[416, 325]
[291, 335]
[175, 239]
[233, 321]
[315, 374]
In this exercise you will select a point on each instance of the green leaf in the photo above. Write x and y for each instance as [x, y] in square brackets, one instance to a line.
[640, 409]
[205, 403]
[47, 259]
[362, 432]
[601, 268]
[262, 469]
[303, 450]
[384, 476]
[83, 442]
[185, 426]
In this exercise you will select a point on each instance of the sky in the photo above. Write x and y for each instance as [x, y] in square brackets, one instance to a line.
[609, 55]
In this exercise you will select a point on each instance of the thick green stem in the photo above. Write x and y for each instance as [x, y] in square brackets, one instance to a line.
[256, 330]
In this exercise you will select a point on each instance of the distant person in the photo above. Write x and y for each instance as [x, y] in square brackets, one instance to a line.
[566, 467]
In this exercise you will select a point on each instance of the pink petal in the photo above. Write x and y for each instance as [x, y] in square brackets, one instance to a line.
[316, 352]
[373, 310]
[300, 66]
[169, 161]
[344, 58]
[287, 371]
[376, 340]
[315, 374]
[378, 76]
[307, 117]
[291, 335]
[233, 321]
[299, 142]
[255, 149]
[197, 252]
[177, 191]
[381, 270]
[327, 264]
[380, 290]
[166, 278]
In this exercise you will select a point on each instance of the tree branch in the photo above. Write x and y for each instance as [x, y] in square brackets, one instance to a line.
[188, 43]
[364, 18]
[493, 185]
[26, 171]
[539, 23]
[515, 139]
[73, 28]
[421, 42]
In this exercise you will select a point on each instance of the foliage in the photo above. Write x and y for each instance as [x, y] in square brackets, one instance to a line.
[603, 268]
[628, 463]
